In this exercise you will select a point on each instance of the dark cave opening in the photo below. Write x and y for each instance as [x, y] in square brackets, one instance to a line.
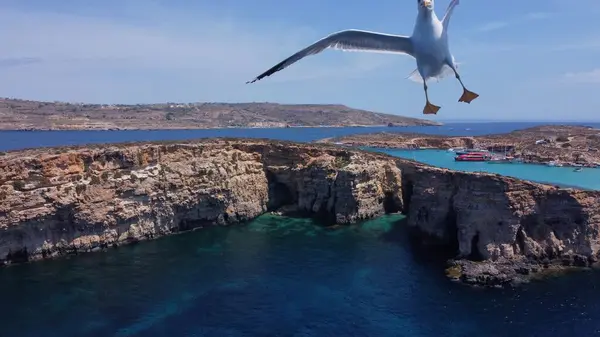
[391, 204]
[407, 191]
[520, 241]
[475, 253]
[451, 235]
[19, 256]
[279, 193]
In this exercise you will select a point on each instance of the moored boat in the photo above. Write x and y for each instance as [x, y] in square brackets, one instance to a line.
[473, 156]
[554, 163]
[501, 160]
[468, 151]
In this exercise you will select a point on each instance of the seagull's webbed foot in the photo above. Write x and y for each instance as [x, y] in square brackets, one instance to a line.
[430, 109]
[467, 96]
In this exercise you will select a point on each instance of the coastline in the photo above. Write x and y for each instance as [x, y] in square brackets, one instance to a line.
[559, 145]
[76, 199]
[524, 161]
[17, 114]
[217, 128]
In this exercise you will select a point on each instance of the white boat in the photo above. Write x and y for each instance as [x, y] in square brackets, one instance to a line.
[553, 163]
[500, 160]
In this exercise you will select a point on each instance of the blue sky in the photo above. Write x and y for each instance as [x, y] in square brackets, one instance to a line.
[531, 60]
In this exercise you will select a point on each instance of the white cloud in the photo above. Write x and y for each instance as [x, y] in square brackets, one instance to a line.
[592, 76]
[58, 38]
[496, 25]
[70, 55]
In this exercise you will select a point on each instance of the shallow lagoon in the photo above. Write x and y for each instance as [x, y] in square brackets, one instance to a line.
[588, 178]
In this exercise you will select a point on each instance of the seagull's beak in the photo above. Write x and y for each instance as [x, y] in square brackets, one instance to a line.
[427, 3]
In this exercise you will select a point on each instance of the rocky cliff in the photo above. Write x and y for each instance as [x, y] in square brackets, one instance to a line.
[502, 230]
[82, 199]
[497, 229]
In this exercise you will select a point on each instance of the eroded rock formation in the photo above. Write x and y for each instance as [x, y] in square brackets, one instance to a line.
[499, 230]
[503, 229]
[83, 199]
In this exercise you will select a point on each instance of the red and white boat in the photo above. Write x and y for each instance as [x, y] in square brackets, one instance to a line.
[473, 156]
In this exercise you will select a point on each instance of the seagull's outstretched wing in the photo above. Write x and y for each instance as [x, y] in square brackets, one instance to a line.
[349, 40]
[448, 14]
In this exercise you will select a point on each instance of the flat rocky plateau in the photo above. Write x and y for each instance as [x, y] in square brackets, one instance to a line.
[34, 115]
[497, 230]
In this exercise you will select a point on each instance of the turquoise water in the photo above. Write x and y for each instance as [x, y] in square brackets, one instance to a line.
[286, 277]
[588, 178]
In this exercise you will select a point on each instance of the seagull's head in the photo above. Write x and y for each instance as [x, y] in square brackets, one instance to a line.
[425, 5]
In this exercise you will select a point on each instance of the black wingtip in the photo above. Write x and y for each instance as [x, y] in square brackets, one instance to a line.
[248, 82]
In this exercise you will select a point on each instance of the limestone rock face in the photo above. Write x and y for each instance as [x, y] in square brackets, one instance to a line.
[514, 225]
[498, 229]
[59, 201]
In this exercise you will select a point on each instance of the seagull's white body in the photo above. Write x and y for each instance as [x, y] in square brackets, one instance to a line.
[428, 44]
[430, 47]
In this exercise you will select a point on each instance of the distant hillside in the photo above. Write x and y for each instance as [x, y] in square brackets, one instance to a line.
[34, 115]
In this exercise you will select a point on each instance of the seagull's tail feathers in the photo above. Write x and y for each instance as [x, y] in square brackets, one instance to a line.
[446, 71]
[415, 76]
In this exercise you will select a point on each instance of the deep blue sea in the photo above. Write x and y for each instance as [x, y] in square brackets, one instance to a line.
[10, 140]
[280, 276]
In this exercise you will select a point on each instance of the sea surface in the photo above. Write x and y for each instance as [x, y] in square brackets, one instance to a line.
[278, 276]
[588, 178]
[12, 140]
[282, 277]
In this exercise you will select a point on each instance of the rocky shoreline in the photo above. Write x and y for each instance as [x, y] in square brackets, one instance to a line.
[559, 145]
[498, 230]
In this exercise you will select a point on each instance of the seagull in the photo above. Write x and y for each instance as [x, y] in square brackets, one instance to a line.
[428, 45]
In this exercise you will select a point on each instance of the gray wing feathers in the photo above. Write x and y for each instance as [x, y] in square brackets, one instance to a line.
[348, 40]
[448, 14]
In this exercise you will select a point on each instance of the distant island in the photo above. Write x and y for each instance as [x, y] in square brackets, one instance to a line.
[558, 145]
[17, 114]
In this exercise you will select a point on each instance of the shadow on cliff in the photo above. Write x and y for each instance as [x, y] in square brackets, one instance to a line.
[421, 252]
[284, 198]
[558, 215]
[443, 245]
